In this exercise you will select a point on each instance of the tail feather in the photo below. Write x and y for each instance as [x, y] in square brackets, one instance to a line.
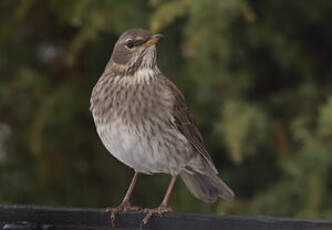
[206, 187]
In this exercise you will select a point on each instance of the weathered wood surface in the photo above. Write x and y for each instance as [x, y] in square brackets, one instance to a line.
[53, 218]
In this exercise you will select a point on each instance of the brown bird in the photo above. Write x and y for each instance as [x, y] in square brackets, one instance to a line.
[143, 121]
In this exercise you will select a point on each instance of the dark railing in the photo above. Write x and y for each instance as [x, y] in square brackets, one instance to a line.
[18, 217]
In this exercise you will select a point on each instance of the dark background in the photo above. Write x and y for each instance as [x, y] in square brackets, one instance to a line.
[257, 75]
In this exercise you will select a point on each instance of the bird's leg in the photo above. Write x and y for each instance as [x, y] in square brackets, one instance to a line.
[125, 204]
[162, 208]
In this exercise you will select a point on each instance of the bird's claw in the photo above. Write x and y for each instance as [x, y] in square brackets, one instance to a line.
[159, 210]
[123, 207]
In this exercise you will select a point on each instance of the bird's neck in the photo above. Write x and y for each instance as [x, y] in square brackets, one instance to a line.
[144, 71]
[131, 70]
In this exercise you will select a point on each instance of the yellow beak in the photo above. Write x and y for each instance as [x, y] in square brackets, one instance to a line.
[153, 40]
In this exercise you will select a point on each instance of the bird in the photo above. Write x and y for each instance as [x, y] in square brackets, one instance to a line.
[143, 120]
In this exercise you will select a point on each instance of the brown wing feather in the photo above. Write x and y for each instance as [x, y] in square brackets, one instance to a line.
[186, 124]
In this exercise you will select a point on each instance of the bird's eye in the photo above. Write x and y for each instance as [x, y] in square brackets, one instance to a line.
[130, 44]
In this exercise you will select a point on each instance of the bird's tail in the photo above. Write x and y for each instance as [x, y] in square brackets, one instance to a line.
[206, 187]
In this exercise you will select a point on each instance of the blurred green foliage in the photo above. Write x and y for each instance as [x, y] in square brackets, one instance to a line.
[257, 75]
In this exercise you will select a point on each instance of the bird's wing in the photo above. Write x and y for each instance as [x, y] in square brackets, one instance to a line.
[186, 124]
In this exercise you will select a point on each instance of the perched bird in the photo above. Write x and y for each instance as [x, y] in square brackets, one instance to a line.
[143, 121]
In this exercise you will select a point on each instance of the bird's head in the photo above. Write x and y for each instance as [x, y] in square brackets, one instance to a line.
[135, 49]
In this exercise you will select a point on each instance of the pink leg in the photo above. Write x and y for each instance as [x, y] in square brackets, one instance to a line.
[126, 199]
[162, 208]
[125, 204]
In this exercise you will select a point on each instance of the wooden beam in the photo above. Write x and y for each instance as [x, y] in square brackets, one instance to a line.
[52, 218]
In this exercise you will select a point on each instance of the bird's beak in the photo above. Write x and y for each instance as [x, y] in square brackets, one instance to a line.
[153, 40]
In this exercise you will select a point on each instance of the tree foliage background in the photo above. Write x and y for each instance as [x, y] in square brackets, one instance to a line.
[256, 74]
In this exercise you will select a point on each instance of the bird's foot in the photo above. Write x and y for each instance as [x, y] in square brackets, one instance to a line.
[123, 207]
[159, 210]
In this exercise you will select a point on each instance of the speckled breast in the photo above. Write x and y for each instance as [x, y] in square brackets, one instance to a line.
[134, 121]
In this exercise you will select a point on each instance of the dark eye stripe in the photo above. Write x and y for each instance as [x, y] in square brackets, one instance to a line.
[138, 42]
[131, 43]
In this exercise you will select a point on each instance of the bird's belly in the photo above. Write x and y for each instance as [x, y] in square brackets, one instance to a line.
[147, 150]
